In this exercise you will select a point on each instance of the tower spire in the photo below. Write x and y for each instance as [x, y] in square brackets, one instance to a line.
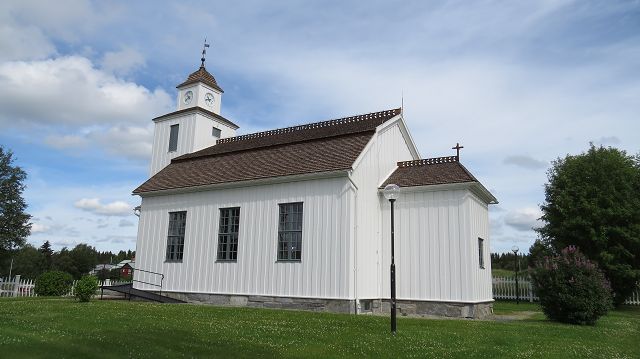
[204, 52]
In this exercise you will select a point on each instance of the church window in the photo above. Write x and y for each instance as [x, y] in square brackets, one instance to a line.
[175, 237]
[215, 132]
[228, 234]
[290, 232]
[173, 138]
[481, 252]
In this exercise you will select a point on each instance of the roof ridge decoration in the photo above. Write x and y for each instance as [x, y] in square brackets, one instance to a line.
[309, 126]
[428, 161]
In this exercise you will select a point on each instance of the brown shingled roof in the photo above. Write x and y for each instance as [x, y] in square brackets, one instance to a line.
[431, 171]
[300, 133]
[201, 75]
[318, 147]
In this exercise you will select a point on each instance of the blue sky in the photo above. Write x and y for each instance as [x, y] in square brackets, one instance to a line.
[518, 83]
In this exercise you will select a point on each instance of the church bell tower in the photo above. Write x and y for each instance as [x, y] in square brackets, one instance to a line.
[196, 124]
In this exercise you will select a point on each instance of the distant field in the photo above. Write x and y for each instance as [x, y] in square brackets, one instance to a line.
[41, 327]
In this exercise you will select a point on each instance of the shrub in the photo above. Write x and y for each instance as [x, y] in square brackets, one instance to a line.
[571, 288]
[53, 283]
[86, 287]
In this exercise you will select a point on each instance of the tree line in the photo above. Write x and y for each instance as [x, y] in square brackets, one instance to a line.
[508, 261]
[30, 262]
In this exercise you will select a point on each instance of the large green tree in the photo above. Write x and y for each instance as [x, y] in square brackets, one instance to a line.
[47, 255]
[28, 262]
[14, 222]
[85, 258]
[592, 201]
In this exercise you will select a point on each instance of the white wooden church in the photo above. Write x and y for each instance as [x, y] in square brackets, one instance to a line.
[295, 217]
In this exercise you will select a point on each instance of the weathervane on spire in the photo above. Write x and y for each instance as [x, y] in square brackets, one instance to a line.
[457, 148]
[204, 52]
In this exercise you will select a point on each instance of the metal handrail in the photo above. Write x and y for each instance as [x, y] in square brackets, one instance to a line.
[139, 281]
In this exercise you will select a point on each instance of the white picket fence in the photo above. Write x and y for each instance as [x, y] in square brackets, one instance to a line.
[634, 299]
[17, 287]
[505, 288]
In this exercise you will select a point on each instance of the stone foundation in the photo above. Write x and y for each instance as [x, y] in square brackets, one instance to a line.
[429, 308]
[375, 306]
[258, 301]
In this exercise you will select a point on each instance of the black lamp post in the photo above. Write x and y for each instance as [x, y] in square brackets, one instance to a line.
[391, 192]
[516, 266]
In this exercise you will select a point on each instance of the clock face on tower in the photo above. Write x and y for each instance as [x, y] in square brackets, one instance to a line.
[188, 96]
[209, 99]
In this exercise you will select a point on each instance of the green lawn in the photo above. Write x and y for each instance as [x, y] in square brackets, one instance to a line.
[38, 327]
[503, 273]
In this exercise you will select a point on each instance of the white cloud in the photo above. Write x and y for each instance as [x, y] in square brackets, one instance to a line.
[608, 140]
[66, 141]
[117, 239]
[69, 224]
[39, 228]
[122, 62]
[523, 219]
[527, 162]
[70, 91]
[93, 205]
[129, 142]
[23, 43]
[126, 223]
[74, 104]
[29, 27]
[125, 141]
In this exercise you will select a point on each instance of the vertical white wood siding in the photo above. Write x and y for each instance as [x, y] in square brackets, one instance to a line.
[436, 246]
[386, 148]
[194, 134]
[160, 155]
[325, 269]
[479, 228]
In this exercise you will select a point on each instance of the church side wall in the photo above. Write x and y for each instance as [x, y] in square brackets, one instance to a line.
[432, 249]
[388, 147]
[160, 155]
[478, 213]
[324, 272]
[436, 247]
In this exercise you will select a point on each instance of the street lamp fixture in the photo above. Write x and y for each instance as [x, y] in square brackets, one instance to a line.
[391, 192]
[516, 265]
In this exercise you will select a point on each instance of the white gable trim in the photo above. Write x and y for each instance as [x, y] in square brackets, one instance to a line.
[405, 133]
[475, 188]
[409, 139]
[194, 111]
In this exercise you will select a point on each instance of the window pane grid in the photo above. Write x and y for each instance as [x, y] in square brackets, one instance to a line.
[290, 232]
[175, 236]
[481, 252]
[173, 138]
[228, 234]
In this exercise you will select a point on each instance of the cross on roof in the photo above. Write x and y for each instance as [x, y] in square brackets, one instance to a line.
[204, 52]
[457, 148]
